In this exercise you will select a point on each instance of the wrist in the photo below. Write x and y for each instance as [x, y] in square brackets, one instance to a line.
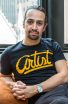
[39, 88]
[35, 89]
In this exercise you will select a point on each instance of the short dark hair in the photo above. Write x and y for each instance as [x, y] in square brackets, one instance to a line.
[37, 8]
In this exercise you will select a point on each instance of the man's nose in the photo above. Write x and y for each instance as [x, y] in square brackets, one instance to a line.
[35, 25]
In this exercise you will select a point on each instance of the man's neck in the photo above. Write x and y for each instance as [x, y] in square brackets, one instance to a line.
[30, 42]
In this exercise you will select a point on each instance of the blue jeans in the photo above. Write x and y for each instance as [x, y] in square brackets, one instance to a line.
[56, 96]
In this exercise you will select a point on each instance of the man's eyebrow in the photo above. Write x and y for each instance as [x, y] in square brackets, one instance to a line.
[30, 19]
[40, 20]
[35, 20]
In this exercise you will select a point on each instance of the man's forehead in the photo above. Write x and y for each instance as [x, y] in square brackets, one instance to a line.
[33, 10]
[33, 13]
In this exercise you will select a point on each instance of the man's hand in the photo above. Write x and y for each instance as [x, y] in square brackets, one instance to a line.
[23, 92]
[19, 84]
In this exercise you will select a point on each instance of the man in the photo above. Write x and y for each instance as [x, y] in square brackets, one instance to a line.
[38, 65]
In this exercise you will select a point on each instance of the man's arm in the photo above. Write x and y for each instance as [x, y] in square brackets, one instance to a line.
[7, 79]
[10, 81]
[60, 78]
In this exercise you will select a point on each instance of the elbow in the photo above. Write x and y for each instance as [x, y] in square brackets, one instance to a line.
[65, 77]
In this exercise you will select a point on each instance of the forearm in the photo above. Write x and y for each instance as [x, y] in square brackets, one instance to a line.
[53, 82]
[47, 85]
[8, 80]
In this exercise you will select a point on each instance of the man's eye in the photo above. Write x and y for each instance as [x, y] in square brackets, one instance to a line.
[30, 22]
[39, 23]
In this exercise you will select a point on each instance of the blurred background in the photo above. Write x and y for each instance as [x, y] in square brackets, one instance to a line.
[11, 21]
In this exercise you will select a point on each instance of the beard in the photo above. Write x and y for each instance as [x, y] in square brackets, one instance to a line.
[33, 36]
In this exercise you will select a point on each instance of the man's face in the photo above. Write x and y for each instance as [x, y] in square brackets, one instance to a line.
[34, 24]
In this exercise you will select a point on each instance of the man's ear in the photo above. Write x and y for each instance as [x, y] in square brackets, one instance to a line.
[45, 27]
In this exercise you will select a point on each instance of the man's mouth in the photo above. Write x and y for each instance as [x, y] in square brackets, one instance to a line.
[34, 32]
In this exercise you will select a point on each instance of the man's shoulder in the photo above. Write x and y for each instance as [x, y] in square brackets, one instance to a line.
[12, 47]
[48, 41]
[51, 43]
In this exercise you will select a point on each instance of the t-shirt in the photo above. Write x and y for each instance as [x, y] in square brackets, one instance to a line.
[31, 64]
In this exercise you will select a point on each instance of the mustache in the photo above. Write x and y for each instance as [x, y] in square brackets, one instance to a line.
[33, 31]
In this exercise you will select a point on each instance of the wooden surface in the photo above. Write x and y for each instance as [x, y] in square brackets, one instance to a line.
[6, 96]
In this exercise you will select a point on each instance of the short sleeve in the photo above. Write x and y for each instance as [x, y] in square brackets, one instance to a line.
[57, 51]
[5, 63]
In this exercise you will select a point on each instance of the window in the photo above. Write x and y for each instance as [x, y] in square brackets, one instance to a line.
[11, 18]
[65, 22]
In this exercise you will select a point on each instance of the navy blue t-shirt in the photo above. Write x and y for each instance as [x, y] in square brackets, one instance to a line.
[31, 64]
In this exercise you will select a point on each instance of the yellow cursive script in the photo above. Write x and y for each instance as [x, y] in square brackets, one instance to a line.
[37, 62]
